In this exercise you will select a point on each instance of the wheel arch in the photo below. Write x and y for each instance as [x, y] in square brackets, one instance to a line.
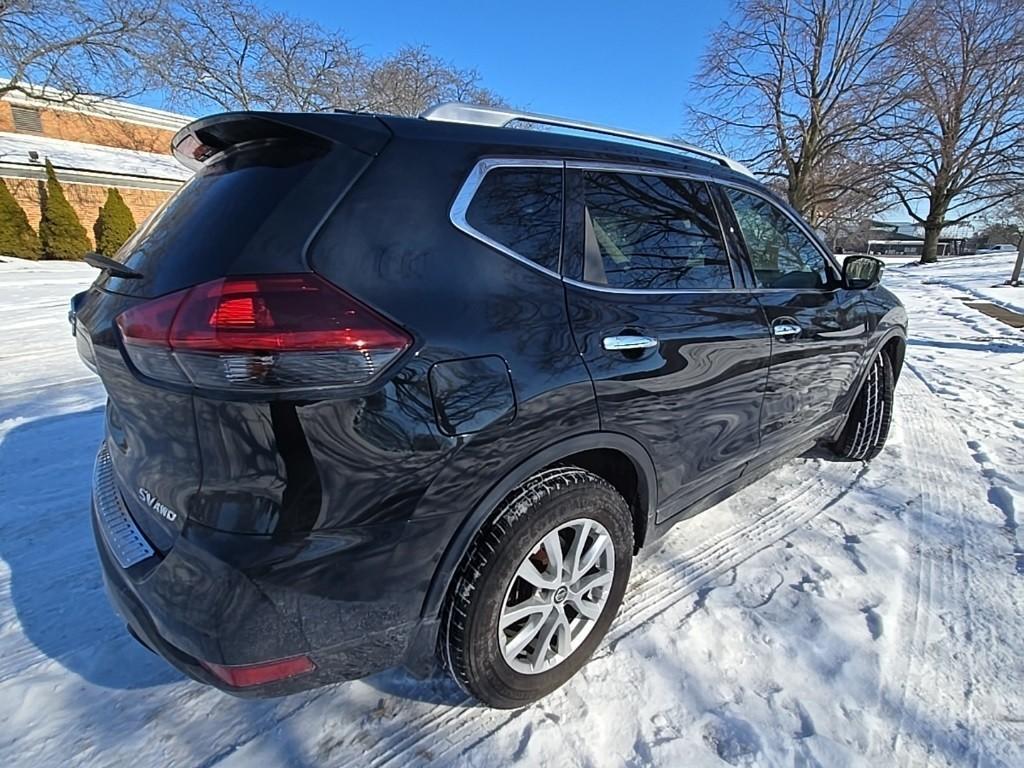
[895, 346]
[893, 343]
[619, 459]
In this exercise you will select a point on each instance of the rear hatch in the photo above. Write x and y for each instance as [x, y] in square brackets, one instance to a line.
[263, 185]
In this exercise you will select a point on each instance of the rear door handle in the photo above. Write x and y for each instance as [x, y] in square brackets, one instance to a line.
[625, 343]
[786, 330]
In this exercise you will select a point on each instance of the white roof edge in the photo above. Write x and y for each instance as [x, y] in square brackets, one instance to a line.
[458, 112]
[16, 151]
[51, 98]
[91, 178]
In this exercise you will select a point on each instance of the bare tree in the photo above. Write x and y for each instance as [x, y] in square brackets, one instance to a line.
[956, 141]
[413, 80]
[857, 178]
[237, 55]
[795, 87]
[232, 54]
[1006, 225]
[61, 50]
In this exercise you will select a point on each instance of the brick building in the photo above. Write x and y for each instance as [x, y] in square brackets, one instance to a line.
[93, 145]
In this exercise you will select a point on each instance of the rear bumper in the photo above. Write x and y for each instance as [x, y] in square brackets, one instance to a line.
[232, 599]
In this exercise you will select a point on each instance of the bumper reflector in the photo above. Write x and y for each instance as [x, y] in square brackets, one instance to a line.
[247, 675]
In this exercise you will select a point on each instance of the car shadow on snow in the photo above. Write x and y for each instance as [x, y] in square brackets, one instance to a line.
[47, 544]
[56, 586]
[439, 688]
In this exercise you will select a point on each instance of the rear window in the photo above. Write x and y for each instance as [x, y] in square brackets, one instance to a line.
[520, 210]
[248, 211]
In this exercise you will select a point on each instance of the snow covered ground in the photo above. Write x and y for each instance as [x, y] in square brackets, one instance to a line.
[831, 614]
[980, 277]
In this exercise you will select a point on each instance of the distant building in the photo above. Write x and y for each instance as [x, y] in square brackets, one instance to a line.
[93, 144]
[906, 238]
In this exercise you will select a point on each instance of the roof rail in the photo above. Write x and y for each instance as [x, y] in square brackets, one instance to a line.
[457, 112]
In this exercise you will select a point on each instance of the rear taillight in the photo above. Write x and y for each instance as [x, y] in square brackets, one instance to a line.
[276, 333]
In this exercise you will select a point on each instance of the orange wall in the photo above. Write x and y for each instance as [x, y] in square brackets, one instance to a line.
[72, 126]
[86, 199]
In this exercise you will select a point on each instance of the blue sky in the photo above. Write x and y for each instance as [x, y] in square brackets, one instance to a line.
[625, 64]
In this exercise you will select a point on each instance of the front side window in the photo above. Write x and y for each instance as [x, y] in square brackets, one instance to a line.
[781, 254]
[521, 209]
[652, 233]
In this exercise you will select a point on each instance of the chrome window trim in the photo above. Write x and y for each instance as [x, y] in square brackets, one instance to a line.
[648, 291]
[652, 170]
[833, 289]
[460, 206]
[645, 170]
[802, 226]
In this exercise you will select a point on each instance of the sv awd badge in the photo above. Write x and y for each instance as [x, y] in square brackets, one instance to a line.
[157, 506]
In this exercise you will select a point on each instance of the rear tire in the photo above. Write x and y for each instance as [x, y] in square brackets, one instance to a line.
[867, 426]
[580, 517]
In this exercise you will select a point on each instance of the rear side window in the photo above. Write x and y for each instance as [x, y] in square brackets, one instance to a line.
[520, 209]
[780, 253]
[653, 233]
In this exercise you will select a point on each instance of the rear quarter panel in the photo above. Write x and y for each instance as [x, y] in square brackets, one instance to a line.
[393, 246]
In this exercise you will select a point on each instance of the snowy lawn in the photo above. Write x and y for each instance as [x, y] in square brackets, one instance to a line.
[831, 614]
[978, 277]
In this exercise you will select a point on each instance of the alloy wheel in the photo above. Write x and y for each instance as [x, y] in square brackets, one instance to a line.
[556, 596]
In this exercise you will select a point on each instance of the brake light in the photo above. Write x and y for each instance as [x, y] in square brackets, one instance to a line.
[271, 333]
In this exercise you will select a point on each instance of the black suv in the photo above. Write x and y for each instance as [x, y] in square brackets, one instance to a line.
[389, 390]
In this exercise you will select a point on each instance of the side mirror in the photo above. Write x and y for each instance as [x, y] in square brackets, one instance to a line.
[860, 272]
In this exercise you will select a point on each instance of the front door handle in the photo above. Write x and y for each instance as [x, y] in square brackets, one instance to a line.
[786, 330]
[626, 343]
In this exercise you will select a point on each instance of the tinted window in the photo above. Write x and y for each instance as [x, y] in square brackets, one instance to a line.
[250, 202]
[521, 208]
[781, 254]
[651, 232]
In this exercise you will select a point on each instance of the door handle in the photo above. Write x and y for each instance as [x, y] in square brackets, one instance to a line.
[786, 330]
[625, 343]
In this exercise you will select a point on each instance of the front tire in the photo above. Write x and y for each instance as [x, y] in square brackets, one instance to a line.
[538, 589]
[867, 426]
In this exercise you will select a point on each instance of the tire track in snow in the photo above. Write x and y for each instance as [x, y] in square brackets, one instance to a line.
[719, 555]
[926, 720]
[657, 583]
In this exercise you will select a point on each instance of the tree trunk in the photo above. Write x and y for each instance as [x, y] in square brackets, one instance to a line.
[796, 191]
[1015, 277]
[930, 252]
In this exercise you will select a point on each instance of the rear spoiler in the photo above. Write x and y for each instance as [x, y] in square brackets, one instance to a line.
[203, 139]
